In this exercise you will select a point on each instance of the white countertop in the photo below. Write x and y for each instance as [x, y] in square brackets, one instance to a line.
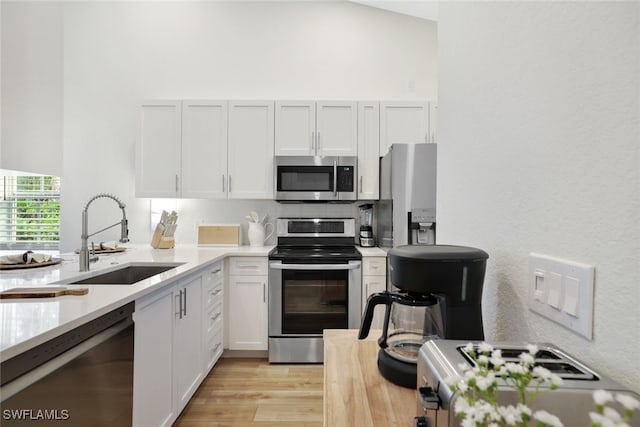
[25, 323]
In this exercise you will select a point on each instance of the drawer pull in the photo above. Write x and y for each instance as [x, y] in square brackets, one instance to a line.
[428, 398]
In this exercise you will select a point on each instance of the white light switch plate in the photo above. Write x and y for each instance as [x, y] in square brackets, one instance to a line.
[562, 291]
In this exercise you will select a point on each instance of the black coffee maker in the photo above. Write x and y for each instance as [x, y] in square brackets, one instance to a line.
[440, 295]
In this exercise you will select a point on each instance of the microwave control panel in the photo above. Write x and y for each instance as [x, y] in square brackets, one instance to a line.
[346, 179]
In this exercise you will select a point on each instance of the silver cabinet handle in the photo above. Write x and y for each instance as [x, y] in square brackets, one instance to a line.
[335, 177]
[176, 183]
[264, 292]
[185, 302]
[179, 301]
[360, 185]
[278, 266]
[312, 140]
[229, 184]
[223, 183]
[318, 144]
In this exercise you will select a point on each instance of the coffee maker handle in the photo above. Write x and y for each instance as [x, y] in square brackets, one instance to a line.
[372, 301]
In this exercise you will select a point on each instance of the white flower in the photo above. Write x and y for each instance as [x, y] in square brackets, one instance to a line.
[542, 373]
[485, 347]
[514, 368]
[469, 348]
[524, 410]
[526, 358]
[510, 414]
[556, 380]
[547, 418]
[483, 360]
[628, 402]
[484, 383]
[496, 361]
[600, 420]
[461, 406]
[532, 348]
[602, 397]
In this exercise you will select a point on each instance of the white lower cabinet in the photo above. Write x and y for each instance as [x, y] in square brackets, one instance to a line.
[247, 296]
[154, 402]
[172, 356]
[188, 367]
[374, 280]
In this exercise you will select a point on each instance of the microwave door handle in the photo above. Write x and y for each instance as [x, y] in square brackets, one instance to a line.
[278, 266]
[335, 178]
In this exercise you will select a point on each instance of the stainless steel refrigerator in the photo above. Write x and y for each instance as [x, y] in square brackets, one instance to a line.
[407, 206]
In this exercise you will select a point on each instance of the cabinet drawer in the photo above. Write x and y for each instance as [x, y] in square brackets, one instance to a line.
[214, 276]
[213, 348]
[374, 266]
[248, 266]
[214, 319]
[213, 295]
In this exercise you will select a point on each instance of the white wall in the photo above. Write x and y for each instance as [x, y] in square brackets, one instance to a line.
[118, 53]
[31, 102]
[539, 109]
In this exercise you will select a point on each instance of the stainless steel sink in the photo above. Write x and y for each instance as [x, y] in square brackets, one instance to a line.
[126, 275]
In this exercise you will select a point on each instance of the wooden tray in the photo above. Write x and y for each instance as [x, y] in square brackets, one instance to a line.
[53, 261]
[44, 292]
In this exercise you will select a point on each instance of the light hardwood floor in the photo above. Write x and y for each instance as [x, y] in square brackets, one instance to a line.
[251, 392]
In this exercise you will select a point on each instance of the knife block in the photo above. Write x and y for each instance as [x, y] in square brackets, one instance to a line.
[159, 241]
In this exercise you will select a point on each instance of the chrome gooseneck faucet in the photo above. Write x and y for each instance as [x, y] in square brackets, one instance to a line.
[124, 231]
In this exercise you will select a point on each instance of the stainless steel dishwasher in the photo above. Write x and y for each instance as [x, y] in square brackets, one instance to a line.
[80, 378]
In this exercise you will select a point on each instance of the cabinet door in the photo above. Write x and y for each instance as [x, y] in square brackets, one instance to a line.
[368, 150]
[158, 149]
[372, 285]
[247, 312]
[153, 394]
[403, 123]
[251, 149]
[295, 127]
[188, 367]
[204, 149]
[336, 128]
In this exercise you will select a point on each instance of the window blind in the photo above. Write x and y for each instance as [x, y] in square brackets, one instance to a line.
[30, 212]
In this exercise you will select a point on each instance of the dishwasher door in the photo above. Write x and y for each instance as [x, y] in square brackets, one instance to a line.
[90, 384]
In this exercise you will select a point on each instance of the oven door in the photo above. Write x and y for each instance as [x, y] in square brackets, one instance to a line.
[305, 299]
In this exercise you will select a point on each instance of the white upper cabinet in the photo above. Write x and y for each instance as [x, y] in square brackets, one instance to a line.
[368, 150]
[204, 149]
[336, 128]
[158, 149]
[308, 128]
[250, 149]
[295, 128]
[405, 122]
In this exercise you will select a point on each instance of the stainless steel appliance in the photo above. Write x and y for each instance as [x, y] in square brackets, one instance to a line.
[81, 378]
[571, 402]
[407, 207]
[315, 178]
[365, 236]
[440, 291]
[315, 281]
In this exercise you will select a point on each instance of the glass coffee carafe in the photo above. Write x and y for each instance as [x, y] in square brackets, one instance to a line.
[410, 320]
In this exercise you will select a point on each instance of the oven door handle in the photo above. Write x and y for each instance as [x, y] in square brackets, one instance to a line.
[279, 266]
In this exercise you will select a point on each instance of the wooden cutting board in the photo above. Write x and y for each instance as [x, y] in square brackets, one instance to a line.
[44, 292]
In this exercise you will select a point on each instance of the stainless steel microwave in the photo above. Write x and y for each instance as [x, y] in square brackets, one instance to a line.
[315, 178]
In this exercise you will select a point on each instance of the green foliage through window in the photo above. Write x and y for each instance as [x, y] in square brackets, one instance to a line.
[30, 212]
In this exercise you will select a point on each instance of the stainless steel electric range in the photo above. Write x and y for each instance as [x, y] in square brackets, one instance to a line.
[315, 282]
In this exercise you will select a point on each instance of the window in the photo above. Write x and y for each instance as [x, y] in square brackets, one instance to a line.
[30, 212]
